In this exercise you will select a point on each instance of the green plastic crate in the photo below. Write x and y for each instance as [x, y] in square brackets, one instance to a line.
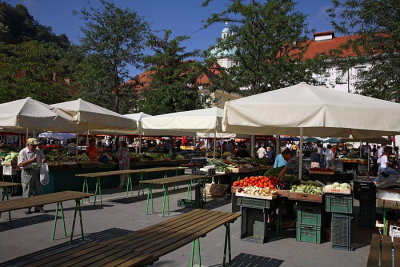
[309, 214]
[256, 203]
[308, 233]
[339, 203]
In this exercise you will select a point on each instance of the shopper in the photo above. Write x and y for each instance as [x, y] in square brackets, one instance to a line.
[281, 161]
[261, 152]
[329, 158]
[124, 161]
[29, 160]
[315, 159]
[92, 151]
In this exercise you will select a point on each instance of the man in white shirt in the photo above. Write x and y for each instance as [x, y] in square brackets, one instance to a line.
[29, 160]
[261, 152]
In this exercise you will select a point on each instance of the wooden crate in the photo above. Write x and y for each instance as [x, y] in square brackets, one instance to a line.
[305, 197]
[270, 197]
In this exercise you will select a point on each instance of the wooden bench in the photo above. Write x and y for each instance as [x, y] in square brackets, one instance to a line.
[6, 193]
[147, 245]
[129, 186]
[380, 253]
[25, 203]
[168, 181]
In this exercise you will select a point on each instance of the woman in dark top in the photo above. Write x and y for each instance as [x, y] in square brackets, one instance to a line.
[315, 159]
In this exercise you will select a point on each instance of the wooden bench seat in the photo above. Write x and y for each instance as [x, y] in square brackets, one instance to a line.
[147, 245]
[25, 203]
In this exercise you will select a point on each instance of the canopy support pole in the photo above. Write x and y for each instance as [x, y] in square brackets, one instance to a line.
[140, 144]
[301, 154]
[215, 143]
[361, 144]
[253, 144]
[26, 137]
[87, 138]
[277, 145]
[77, 143]
[368, 159]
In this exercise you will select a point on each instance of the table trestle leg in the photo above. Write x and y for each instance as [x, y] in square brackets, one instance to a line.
[141, 187]
[193, 252]
[149, 199]
[5, 196]
[129, 186]
[165, 200]
[77, 209]
[227, 246]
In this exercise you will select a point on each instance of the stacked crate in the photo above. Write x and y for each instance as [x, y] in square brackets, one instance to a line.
[365, 192]
[308, 222]
[341, 206]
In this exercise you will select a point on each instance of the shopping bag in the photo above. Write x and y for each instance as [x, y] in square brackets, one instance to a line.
[44, 174]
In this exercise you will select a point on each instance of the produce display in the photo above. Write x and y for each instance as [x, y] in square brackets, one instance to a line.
[273, 172]
[11, 157]
[220, 166]
[342, 188]
[307, 188]
[257, 191]
[270, 182]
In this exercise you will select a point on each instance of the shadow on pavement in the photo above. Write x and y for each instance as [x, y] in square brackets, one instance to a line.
[26, 221]
[134, 198]
[249, 260]
[94, 237]
[85, 206]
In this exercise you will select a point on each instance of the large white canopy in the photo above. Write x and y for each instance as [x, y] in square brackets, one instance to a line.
[93, 117]
[200, 120]
[31, 114]
[317, 110]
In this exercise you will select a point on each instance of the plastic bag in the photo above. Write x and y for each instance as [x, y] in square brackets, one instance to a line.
[44, 174]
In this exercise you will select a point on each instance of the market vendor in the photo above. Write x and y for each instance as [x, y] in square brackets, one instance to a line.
[281, 161]
[92, 151]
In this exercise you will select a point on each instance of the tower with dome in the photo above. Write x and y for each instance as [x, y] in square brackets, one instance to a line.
[225, 56]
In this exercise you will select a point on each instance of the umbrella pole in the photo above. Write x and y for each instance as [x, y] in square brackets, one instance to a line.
[140, 144]
[215, 143]
[301, 155]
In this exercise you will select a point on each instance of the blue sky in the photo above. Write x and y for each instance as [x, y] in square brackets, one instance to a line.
[183, 17]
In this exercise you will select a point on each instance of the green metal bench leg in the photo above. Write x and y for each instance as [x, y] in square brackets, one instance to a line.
[98, 192]
[55, 221]
[165, 200]
[129, 186]
[6, 196]
[189, 190]
[85, 188]
[141, 187]
[279, 221]
[227, 246]
[63, 218]
[193, 252]
[77, 208]
[384, 222]
[149, 199]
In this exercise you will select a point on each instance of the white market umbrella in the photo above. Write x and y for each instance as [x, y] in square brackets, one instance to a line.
[308, 110]
[31, 114]
[58, 136]
[94, 117]
[207, 120]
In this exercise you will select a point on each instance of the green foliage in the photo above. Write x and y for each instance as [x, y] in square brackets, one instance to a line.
[17, 25]
[268, 41]
[375, 23]
[113, 40]
[33, 69]
[173, 81]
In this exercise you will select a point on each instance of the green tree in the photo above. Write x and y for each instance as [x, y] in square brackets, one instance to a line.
[268, 41]
[113, 38]
[375, 25]
[17, 25]
[33, 69]
[173, 85]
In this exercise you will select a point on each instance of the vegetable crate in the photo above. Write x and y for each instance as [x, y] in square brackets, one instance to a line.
[254, 225]
[367, 215]
[308, 233]
[256, 203]
[341, 231]
[309, 214]
[339, 203]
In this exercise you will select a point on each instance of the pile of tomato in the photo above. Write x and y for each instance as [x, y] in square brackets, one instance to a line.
[260, 181]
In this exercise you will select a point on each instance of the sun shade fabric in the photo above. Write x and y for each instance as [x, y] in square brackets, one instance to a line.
[201, 120]
[94, 117]
[320, 111]
[31, 114]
